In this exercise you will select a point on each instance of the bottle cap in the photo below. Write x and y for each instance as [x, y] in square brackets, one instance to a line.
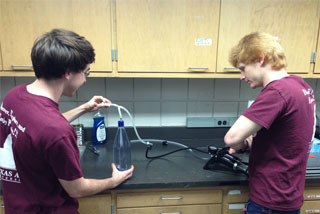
[120, 123]
[98, 114]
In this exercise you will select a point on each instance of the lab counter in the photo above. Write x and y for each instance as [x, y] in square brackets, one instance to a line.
[181, 169]
[178, 170]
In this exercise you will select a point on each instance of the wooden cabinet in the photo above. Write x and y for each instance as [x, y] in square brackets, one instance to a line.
[190, 201]
[168, 36]
[235, 199]
[21, 22]
[188, 209]
[317, 58]
[0, 56]
[1, 205]
[294, 22]
[95, 204]
[311, 200]
[0, 39]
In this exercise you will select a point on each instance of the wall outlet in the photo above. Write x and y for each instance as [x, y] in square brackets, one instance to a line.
[223, 121]
[198, 122]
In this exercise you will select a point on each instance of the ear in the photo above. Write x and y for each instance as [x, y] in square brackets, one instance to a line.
[262, 57]
[67, 74]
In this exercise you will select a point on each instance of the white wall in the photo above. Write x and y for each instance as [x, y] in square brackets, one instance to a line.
[159, 102]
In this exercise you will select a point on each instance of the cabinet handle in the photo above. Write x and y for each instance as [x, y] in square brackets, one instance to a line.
[312, 211]
[198, 68]
[179, 212]
[313, 196]
[313, 57]
[230, 68]
[171, 198]
[2, 206]
[111, 208]
[21, 66]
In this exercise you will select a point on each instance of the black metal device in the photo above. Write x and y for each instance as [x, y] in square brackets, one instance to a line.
[221, 157]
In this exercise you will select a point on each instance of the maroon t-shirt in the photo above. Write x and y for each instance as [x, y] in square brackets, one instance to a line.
[37, 146]
[278, 158]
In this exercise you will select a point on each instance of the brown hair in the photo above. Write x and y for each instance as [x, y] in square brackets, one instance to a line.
[58, 50]
[253, 47]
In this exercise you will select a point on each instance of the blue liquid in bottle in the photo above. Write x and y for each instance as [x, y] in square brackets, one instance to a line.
[99, 134]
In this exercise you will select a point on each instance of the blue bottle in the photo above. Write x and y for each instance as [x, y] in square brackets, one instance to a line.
[121, 148]
[99, 134]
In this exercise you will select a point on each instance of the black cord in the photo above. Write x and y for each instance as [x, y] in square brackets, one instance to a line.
[178, 150]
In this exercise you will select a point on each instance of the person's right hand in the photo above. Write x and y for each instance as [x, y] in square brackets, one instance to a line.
[232, 151]
[120, 176]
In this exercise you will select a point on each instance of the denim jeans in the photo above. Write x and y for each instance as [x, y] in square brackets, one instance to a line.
[253, 208]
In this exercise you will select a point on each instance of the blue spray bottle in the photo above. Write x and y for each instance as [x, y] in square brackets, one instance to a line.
[99, 134]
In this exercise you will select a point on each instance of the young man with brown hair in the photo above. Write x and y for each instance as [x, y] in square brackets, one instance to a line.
[39, 158]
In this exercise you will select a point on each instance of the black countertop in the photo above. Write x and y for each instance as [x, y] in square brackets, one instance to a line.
[179, 170]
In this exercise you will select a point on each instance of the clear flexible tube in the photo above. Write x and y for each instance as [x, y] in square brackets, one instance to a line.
[145, 141]
[120, 115]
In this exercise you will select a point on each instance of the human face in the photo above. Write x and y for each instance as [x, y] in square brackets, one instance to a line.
[251, 74]
[76, 79]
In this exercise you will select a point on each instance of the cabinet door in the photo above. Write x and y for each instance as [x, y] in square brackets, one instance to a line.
[236, 194]
[234, 208]
[167, 35]
[294, 22]
[192, 209]
[1, 68]
[22, 21]
[317, 65]
[1, 205]
[310, 207]
[95, 204]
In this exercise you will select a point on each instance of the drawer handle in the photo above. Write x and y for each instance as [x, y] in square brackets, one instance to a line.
[21, 66]
[230, 68]
[2, 205]
[313, 196]
[171, 198]
[202, 69]
[179, 212]
[312, 211]
[198, 68]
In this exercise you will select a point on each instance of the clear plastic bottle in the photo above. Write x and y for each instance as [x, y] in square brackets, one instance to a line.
[121, 148]
[99, 134]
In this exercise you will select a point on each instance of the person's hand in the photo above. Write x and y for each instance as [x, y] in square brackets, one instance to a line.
[92, 105]
[232, 151]
[120, 176]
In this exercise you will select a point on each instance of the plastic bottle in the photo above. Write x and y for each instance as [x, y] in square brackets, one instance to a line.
[99, 134]
[121, 148]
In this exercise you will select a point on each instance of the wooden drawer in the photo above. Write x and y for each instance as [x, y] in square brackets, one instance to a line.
[233, 208]
[191, 209]
[144, 199]
[311, 194]
[1, 205]
[95, 204]
[235, 195]
[310, 207]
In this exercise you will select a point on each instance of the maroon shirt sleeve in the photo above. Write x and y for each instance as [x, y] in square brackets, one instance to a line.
[266, 108]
